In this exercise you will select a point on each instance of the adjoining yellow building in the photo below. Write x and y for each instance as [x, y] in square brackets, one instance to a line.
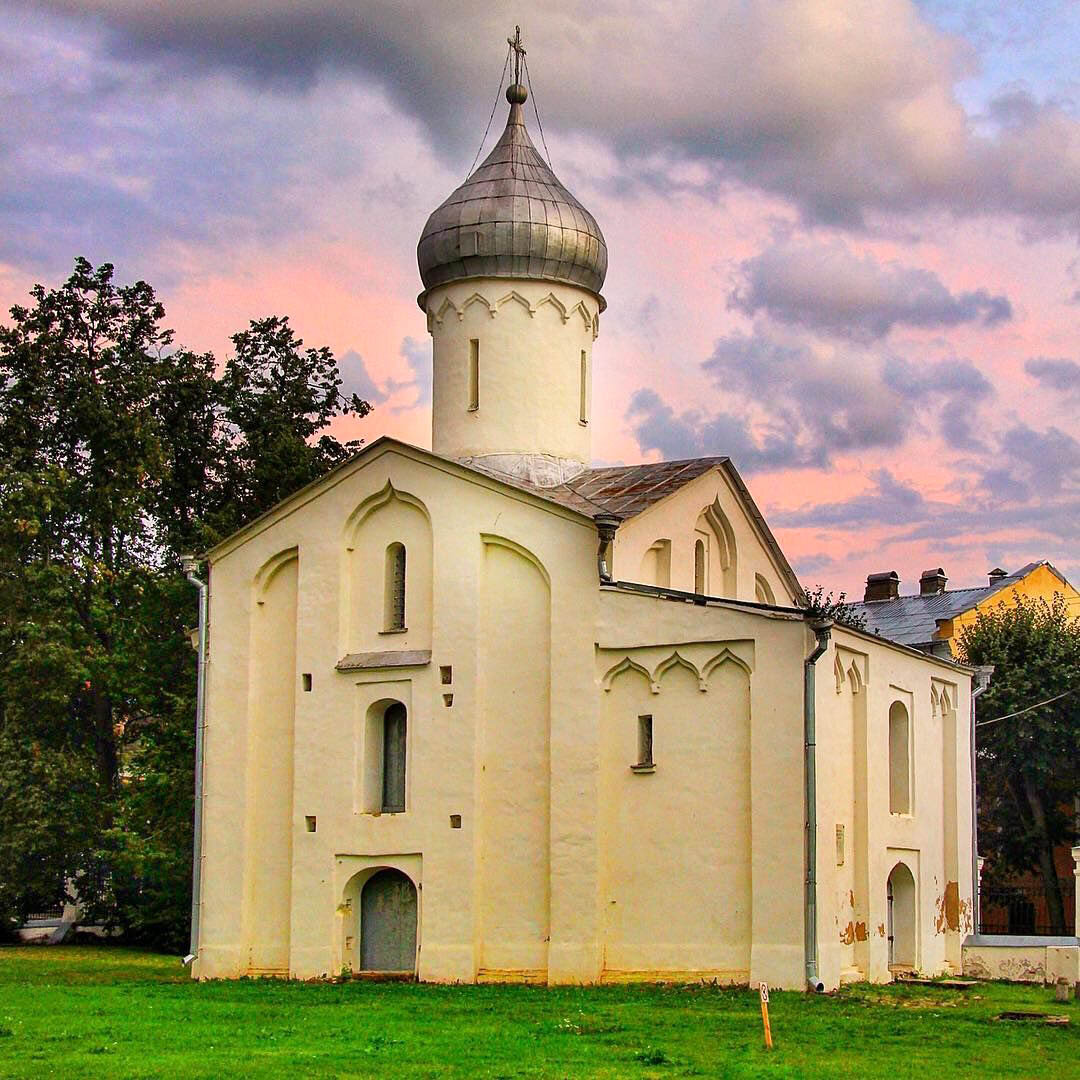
[488, 713]
[932, 619]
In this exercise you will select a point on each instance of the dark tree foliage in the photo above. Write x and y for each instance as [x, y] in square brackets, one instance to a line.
[117, 452]
[822, 605]
[1028, 764]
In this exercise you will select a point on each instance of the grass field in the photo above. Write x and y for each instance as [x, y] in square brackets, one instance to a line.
[96, 1012]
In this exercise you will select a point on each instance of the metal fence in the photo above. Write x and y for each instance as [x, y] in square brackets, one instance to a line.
[1022, 909]
[50, 914]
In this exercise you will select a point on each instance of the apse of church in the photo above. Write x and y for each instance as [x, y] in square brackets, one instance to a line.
[489, 713]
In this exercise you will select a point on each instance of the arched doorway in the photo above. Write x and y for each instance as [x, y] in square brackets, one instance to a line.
[901, 918]
[388, 922]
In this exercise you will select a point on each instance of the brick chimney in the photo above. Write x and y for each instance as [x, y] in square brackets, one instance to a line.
[884, 586]
[932, 582]
[996, 575]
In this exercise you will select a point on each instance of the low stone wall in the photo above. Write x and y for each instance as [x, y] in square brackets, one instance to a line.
[1022, 959]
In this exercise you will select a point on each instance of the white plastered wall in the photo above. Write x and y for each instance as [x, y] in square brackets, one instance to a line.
[466, 515]
[676, 519]
[503, 590]
[739, 828]
[853, 791]
[530, 335]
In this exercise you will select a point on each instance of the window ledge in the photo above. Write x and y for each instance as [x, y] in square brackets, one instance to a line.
[404, 658]
[401, 630]
[644, 769]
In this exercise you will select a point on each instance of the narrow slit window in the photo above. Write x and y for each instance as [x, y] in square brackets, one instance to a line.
[899, 759]
[583, 412]
[474, 374]
[644, 743]
[393, 760]
[699, 566]
[394, 599]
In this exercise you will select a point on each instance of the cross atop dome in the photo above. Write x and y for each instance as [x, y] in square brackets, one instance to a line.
[519, 52]
[513, 218]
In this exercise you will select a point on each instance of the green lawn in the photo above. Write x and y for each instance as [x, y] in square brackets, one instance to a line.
[85, 1012]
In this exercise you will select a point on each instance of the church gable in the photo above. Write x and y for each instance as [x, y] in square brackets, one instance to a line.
[706, 537]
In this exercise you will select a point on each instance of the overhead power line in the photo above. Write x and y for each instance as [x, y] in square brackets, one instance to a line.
[1030, 708]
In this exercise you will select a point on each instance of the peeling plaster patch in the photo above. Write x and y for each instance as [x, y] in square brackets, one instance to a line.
[967, 920]
[854, 931]
[952, 905]
[881, 929]
[950, 910]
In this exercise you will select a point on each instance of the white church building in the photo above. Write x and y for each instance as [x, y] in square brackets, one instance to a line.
[486, 713]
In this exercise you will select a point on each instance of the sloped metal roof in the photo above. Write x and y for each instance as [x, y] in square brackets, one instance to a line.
[513, 218]
[629, 490]
[622, 490]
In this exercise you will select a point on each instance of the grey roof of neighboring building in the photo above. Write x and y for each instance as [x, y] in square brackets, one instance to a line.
[912, 620]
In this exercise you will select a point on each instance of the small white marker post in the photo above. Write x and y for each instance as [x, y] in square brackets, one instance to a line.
[765, 1014]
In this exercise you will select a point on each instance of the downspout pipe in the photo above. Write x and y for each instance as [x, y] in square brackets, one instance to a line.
[981, 685]
[190, 565]
[606, 527]
[822, 629]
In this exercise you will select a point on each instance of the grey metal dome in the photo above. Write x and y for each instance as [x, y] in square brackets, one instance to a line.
[512, 218]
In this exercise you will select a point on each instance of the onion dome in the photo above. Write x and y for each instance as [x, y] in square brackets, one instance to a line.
[513, 219]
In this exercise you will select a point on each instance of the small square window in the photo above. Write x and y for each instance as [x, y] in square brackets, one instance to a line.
[455, 821]
[448, 700]
[446, 675]
[306, 678]
[309, 822]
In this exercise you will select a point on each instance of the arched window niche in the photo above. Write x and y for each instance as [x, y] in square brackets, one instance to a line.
[763, 590]
[715, 557]
[656, 565]
[388, 574]
[899, 759]
[394, 589]
[385, 758]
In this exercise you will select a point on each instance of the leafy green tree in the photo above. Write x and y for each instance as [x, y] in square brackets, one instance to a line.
[276, 397]
[1028, 753]
[822, 605]
[117, 451]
